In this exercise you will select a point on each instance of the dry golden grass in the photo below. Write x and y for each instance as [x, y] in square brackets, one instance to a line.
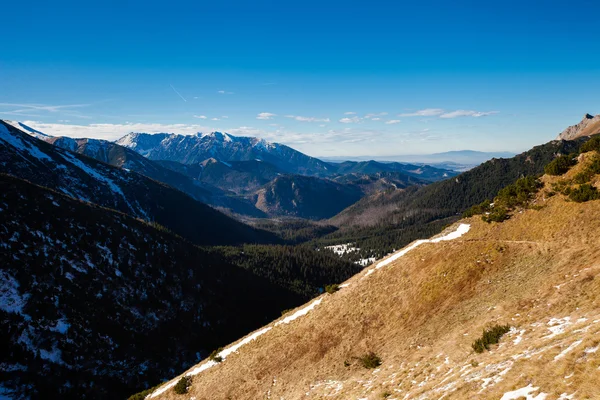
[421, 313]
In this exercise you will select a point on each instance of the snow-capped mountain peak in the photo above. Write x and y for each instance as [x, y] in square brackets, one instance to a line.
[193, 149]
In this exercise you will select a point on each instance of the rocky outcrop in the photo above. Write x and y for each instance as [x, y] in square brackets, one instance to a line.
[589, 125]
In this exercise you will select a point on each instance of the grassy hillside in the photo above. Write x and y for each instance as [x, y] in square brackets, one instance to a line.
[408, 328]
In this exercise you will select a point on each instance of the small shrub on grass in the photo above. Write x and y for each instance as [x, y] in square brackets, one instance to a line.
[182, 386]
[478, 209]
[214, 356]
[386, 394]
[585, 192]
[331, 289]
[370, 360]
[490, 336]
[143, 394]
[591, 145]
[560, 164]
[498, 214]
[519, 193]
[589, 172]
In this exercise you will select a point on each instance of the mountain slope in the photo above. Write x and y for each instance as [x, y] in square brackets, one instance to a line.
[589, 125]
[386, 221]
[193, 149]
[240, 177]
[305, 197]
[371, 183]
[119, 156]
[96, 304]
[423, 172]
[87, 179]
[420, 311]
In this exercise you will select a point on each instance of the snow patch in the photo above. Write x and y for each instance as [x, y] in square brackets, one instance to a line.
[11, 300]
[567, 350]
[524, 392]
[461, 230]
[21, 146]
[300, 312]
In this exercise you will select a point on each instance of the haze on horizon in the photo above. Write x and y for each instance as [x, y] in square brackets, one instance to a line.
[329, 79]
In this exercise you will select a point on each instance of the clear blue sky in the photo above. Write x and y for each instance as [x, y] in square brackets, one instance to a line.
[420, 77]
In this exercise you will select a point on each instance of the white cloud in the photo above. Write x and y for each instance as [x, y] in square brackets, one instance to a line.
[351, 120]
[392, 121]
[427, 112]
[34, 110]
[467, 113]
[200, 116]
[224, 116]
[114, 131]
[381, 114]
[265, 115]
[215, 119]
[349, 113]
[307, 119]
[376, 119]
[441, 113]
[223, 92]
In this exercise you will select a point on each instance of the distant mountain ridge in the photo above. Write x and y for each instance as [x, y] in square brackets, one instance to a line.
[444, 160]
[193, 149]
[88, 179]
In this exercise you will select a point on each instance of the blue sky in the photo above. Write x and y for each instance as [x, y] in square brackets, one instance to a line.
[328, 78]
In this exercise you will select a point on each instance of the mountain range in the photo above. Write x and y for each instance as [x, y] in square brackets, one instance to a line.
[240, 170]
[117, 273]
[459, 160]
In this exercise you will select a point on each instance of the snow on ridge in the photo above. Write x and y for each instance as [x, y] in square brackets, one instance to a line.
[461, 230]
[209, 364]
[21, 146]
[300, 312]
[93, 173]
[27, 129]
[234, 348]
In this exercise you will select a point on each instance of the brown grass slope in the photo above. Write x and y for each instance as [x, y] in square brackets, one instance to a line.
[538, 272]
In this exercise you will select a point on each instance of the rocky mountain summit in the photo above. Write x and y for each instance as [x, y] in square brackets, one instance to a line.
[589, 125]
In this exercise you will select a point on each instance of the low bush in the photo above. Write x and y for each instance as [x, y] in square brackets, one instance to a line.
[143, 394]
[331, 289]
[585, 192]
[490, 336]
[183, 385]
[498, 214]
[560, 164]
[370, 360]
[214, 356]
[519, 193]
[478, 209]
[589, 172]
[591, 145]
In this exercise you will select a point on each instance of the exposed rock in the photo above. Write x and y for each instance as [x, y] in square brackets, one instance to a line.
[589, 125]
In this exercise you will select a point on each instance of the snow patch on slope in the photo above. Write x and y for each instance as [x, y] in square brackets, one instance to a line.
[461, 230]
[21, 146]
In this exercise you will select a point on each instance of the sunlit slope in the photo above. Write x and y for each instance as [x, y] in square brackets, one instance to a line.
[421, 312]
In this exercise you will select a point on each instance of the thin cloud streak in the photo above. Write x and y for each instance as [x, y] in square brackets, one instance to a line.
[179, 94]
